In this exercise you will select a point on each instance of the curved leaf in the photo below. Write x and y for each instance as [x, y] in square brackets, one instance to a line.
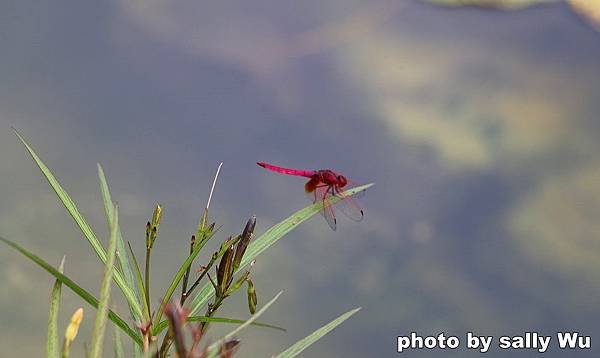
[84, 227]
[164, 324]
[304, 343]
[270, 237]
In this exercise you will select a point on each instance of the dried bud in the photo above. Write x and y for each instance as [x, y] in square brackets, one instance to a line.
[228, 348]
[252, 299]
[154, 224]
[177, 317]
[148, 233]
[243, 243]
[207, 231]
[225, 271]
[211, 227]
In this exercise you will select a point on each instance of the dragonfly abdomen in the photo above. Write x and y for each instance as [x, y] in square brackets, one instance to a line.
[287, 171]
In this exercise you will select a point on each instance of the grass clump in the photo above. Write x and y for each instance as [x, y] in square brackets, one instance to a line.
[187, 329]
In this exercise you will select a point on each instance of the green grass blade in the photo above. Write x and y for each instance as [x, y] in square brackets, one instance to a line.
[81, 292]
[52, 345]
[213, 348]
[119, 352]
[304, 343]
[140, 281]
[267, 239]
[83, 226]
[164, 324]
[109, 209]
[100, 324]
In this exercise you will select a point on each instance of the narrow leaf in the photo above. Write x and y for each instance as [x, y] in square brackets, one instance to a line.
[267, 239]
[81, 292]
[140, 281]
[83, 225]
[52, 346]
[109, 209]
[304, 343]
[100, 324]
[164, 324]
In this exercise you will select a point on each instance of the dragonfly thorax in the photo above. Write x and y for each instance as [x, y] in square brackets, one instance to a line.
[329, 177]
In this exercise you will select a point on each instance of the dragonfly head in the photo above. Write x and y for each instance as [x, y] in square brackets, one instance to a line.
[342, 181]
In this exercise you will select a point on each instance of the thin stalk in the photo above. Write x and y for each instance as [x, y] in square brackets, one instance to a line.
[210, 311]
[212, 189]
[151, 235]
[140, 281]
[147, 278]
[187, 274]
[204, 272]
[201, 228]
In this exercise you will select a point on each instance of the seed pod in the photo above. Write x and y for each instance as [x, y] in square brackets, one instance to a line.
[240, 248]
[155, 223]
[148, 233]
[252, 299]
[225, 271]
[210, 229]
[228, 348]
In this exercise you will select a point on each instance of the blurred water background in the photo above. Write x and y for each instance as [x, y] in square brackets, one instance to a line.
[479, 127]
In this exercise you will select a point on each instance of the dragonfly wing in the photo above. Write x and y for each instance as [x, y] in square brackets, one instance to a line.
[349, 206]
[328, 213]
[322, 193]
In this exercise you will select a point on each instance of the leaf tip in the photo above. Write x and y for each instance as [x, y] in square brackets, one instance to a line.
[61, 266]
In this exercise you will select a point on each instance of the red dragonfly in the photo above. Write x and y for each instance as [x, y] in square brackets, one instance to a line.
[322, 185]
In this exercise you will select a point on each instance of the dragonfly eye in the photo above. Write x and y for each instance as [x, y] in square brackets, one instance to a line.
[342, 180]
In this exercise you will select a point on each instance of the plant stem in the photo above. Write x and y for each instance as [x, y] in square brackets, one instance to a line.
[204, 272]
[147, 278]
[210, 311]
[187, 274]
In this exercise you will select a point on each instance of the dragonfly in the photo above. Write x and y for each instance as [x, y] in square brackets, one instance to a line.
[322, 185]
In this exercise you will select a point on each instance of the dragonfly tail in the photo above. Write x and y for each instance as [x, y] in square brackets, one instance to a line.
[287, 171]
